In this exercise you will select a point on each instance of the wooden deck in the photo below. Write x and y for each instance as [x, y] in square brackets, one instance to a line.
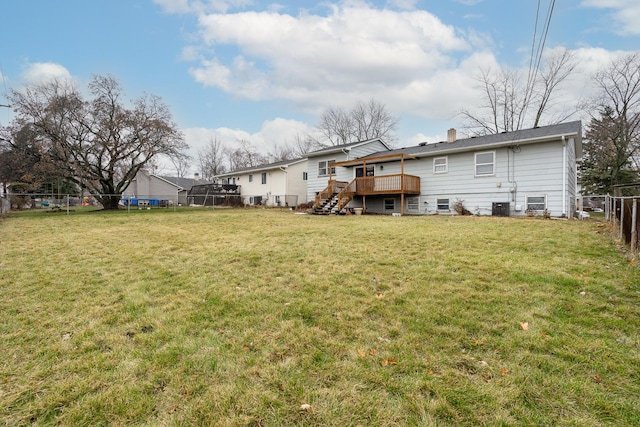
[387, 184]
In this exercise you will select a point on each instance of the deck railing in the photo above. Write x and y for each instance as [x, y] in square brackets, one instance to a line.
[332, 188]
[388, 184]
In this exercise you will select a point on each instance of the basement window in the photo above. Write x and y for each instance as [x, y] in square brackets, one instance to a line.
[389, 204]
[442, 204]
[413, 203]
[536, 203]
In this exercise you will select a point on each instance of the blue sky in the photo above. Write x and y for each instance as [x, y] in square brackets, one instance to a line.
[264, 71]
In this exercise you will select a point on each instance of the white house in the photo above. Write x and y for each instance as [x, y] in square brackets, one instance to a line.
[531, 171]
[275, 184]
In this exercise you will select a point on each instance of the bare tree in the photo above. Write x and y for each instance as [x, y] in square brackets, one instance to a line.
[371, 120]
[304, 145]
[99, 143]
[510, 102]
[282, 152]
[365, 121]
[211, 159]
[181, 163]
[336, 126]
[244, 156]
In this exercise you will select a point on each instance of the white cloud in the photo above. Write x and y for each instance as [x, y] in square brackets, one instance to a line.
[42, 72]
[276, 132]
[317, 61]
[626, 14]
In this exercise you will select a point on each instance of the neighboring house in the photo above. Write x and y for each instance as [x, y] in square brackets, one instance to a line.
[275, 184]
[149, 186]
[527, 172]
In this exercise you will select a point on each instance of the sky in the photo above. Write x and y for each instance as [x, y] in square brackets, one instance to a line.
[264, 71]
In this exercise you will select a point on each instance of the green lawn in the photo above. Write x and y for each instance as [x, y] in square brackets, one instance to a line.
[267, 318]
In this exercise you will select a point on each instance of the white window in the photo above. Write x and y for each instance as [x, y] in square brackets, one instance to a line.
[440, 165]
[536, 203]
[264, 177]
[250, 178]
[323, 168]
[413, 203]
[389, 204]
[442, 204]
[485, 163]
[305, 176]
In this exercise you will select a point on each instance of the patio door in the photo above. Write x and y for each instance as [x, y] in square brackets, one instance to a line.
[360, 171]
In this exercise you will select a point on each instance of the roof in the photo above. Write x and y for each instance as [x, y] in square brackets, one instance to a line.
[520, 137]
[183, 183]
[343, 147]
[259, 168]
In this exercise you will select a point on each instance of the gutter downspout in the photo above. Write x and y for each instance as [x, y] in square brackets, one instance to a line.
[286, 183]
[564, 177]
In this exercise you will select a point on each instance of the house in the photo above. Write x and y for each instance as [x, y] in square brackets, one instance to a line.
[166, 189]
[281, 183]
[526, 172]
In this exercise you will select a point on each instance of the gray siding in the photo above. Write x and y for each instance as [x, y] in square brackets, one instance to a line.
[317, 183]
[527, 170]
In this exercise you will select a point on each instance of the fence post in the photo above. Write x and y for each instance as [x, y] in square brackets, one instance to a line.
[634, 234]
[621, 218]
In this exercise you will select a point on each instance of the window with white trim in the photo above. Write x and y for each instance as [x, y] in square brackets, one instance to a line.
[413, 203]
[305, 176]
[323, 167]
[442, 204]
[389, 204]
[250, 178]
[264, 177]
[440, 165]
[536, 203]
[485, 163]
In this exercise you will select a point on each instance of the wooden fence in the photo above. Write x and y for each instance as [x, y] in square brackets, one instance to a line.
[622, 212]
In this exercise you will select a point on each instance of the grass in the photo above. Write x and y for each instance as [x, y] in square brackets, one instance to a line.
[240, 317]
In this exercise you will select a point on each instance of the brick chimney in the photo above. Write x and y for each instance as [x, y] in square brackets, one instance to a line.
[451, 135]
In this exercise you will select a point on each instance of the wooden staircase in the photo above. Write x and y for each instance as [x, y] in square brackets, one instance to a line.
[334, 198]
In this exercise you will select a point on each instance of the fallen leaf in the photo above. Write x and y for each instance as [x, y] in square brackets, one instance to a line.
[384, 362]
[379, 295]
[305, 407]
[504, 371]
[632, 263]
[393, 361]
[524, 326]
[361, 353]
[597, 378]
[373, 351]
[543, 335]
[430, 372]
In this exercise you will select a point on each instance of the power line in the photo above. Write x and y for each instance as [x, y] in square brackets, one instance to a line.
[534, 65]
